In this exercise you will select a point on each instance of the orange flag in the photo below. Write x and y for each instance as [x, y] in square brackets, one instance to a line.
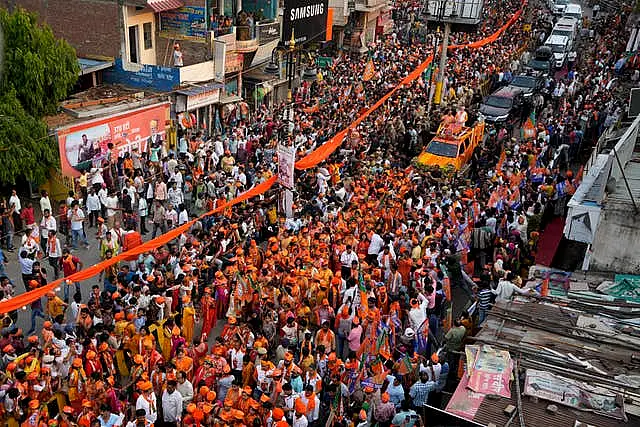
[369, 71]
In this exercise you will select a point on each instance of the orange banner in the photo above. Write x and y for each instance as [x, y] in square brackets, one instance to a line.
[309, 161]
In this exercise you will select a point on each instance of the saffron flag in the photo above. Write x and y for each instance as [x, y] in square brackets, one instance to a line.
[369, 71]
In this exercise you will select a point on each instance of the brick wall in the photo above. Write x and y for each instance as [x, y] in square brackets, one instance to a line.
[90, 26]
[192, 52]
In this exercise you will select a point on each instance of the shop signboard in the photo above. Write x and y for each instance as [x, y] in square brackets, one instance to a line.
[233, 62]
[306, 20]
[268, 32]
[202, 99]
[84, 146]
[185, 23]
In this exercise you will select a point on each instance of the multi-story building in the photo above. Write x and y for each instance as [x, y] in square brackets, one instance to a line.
[356, 23]
[195, 50]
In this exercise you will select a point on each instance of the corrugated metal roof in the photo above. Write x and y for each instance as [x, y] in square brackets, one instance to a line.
[535, 413]
[544, 335]
[621, 194]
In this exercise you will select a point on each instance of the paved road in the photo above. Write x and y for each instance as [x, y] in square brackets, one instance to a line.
[88, 257]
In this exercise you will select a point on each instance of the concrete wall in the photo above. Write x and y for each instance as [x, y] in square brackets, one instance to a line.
[617, 242]
[193, 52]
[133, 17]
[90, 26]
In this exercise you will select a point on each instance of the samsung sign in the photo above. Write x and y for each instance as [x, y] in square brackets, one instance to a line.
[306, 19]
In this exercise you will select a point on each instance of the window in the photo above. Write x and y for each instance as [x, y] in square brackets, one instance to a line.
[148, 36]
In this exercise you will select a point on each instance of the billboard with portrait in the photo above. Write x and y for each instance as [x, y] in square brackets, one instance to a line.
[86, 145]
[306, 19]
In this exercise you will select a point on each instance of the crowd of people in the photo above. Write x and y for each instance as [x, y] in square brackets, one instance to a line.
[342, 313]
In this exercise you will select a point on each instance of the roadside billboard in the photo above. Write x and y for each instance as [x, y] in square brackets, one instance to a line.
[85, 145]
[306, 19]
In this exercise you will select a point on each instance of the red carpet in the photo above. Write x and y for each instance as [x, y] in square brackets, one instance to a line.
[549, 241]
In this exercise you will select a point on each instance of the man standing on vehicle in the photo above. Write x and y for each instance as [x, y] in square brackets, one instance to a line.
[571, 60]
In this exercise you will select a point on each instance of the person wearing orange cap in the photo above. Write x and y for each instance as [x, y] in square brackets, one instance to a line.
[183, 362]
[86, 413]
[326, 337]
[147, 401]
[77, 383]
[188, 319]
[208, 311]
[92, 364]
[55, 306]
[299, 418]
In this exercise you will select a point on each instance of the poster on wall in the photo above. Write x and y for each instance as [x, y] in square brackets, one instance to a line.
[286, 160]
[306, 19]
[87, 145]
[185, 23]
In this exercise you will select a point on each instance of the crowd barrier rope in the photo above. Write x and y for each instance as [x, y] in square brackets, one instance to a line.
[312, 159]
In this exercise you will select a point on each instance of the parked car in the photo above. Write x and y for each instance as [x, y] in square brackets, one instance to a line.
[503, 106]
[528, 84]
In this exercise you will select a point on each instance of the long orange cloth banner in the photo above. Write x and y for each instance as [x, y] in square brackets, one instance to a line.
[309, 161]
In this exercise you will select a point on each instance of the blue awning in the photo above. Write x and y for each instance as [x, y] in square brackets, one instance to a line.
[92, 65]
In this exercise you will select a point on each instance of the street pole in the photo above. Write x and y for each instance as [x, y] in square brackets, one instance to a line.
[432, 78]
[443, 63]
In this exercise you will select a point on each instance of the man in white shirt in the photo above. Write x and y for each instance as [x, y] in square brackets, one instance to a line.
[171, 405]
[171, 217]
[93, 207]
[375, 246]
[346, 260]
[111, 203]
[53, 250]
[47, 224]
[185, 388]
[505, 289]
[45, 203]
[147, 401]
[76, 216]
[299, 418]
[15, 201]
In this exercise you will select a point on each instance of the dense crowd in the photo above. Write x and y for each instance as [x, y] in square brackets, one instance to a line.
[339, 314]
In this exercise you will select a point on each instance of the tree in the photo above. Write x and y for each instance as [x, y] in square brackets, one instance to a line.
[41, 68]
[37, 72]
[25, 147]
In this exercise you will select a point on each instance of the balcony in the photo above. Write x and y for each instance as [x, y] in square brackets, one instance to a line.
[246, 39]
[370, 5]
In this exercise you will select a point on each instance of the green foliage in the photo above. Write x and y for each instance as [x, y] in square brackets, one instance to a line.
[38, 71]
[41, 68]
[25, 148]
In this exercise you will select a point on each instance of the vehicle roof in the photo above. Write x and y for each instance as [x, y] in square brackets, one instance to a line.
[525, 76]
[507, 92]
[567, 20]
[556, 39]
[572, 7]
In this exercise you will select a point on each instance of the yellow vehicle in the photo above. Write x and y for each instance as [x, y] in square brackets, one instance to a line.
[452, 146]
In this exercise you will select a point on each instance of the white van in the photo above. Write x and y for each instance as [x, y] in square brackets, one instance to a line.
[559, 6]
[566, 27]
[560, 47]
[573, 11]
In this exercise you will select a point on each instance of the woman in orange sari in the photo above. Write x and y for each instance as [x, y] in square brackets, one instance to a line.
[184, 363]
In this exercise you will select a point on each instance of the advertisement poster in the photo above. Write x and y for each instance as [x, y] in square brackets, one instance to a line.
[575, 394]
[268, 32]
[305, 19]
[491, 372]
[185, 23]
[465, 402]
[86, 145]
[286, 160]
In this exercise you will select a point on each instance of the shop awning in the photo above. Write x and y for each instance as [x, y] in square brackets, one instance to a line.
[163, 5]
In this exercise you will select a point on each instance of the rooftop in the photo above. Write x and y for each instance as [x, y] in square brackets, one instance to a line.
[586, 347]
[99, 101]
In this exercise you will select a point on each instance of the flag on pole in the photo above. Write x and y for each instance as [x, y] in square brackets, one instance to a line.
[369, 71]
